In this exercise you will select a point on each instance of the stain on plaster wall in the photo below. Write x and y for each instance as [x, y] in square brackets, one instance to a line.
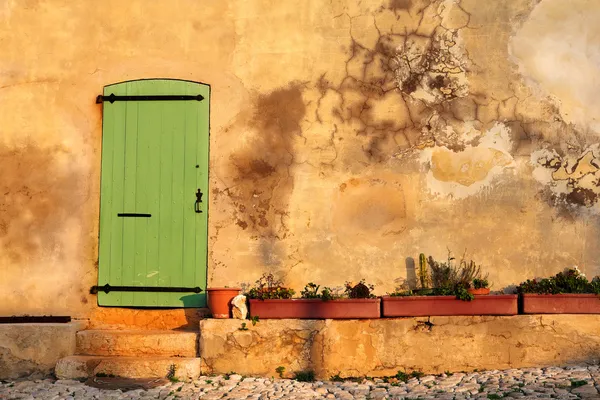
[262, 168]
[370, 210]
[39, 194]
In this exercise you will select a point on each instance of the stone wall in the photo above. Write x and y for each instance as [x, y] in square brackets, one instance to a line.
[27, 349]
[345, 135]
[382, 347]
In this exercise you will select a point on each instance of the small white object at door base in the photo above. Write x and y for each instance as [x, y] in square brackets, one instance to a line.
[240, 310]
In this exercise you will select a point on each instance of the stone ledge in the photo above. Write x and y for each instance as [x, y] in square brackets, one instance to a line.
[27, 349]
[381, 347]
[83, 367]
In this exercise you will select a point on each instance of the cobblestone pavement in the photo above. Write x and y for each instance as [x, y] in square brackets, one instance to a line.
[560, 383]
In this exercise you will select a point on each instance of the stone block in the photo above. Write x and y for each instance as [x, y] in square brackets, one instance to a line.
[27, 349]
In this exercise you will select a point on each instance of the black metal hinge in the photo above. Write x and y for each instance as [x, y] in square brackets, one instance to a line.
[108, 288]
[112, 98]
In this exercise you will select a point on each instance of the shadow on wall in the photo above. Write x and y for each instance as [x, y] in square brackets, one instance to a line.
[411, 274]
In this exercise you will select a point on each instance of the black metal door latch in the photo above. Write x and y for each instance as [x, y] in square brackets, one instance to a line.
[198, 201]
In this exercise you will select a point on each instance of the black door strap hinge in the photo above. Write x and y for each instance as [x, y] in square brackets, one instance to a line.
[109, 288]
[112, 98]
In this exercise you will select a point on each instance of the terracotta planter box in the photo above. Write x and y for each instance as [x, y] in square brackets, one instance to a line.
[315, 308]
[424, 306]
[561, 304]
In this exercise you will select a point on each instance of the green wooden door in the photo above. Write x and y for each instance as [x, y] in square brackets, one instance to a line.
[154, 160]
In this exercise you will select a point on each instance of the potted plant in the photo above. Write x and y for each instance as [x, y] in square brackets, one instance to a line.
[219, 300]
[356, 302]
[455, 290]
[479, 286]
[568, 292]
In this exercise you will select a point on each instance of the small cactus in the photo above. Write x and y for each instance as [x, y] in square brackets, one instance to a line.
[423, 272]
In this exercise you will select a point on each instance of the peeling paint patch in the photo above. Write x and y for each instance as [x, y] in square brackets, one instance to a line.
[433, 69]
[463, 173]
[574, 180]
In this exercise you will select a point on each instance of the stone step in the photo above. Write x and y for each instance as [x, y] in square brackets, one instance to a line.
[151, 319]
[137, 343]
[83, 367]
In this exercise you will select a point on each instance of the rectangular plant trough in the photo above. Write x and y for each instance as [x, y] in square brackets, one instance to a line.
[571, 303]
[315, 308]
[422, 306]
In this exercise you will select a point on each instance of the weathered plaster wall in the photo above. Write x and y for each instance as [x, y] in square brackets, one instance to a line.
[27, 349]
[346, 136]
[382, 347]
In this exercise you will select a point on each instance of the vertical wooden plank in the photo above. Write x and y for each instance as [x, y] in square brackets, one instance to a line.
[129, 204]
[106, 200]
[165, 254]
[118, 175]
[178, 197]
[149, 126]
[142, 184]
[189, 229]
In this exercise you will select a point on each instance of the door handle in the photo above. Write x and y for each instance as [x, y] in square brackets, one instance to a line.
[198, 201]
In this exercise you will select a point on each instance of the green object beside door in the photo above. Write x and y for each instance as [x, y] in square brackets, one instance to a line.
[154, 160]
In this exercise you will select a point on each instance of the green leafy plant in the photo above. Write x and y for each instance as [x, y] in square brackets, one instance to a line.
[570, 280]
[171, 373]
[327, 294]
[493, 396]
[255, 320]
[305, 376]
[402, 376]
[267, 287]
[480, 283]
[359, 291]
[104, 375]
[243, 327]
[280, 371]
[417, 374]
[462, 293]
[227, 375]
[310, 291]
[336, 378]
[576, 384]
